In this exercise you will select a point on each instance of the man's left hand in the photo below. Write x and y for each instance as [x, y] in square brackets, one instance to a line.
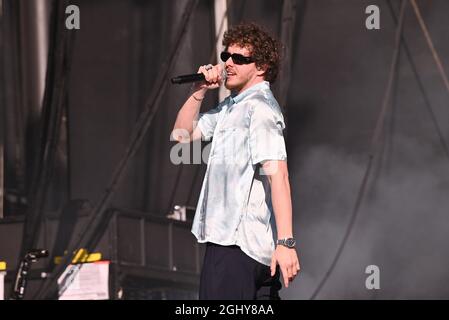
[288, 263]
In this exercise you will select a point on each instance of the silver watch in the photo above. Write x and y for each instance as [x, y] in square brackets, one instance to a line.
[288, 242]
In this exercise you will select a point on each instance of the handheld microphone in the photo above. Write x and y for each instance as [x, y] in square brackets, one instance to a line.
[195, 77]
[188, 78]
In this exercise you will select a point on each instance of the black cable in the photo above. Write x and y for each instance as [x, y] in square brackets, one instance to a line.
[389, 140]
[435, 56]
[384, 153]
[422, 89]
[373, 151]
[427, 103]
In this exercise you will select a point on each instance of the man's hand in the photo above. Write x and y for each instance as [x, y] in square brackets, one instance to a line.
[213, 75]
[288, 263]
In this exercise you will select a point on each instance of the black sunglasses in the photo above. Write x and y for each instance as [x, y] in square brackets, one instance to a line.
[237, 58]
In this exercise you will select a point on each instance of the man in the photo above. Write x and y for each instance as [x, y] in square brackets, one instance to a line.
[246, 180]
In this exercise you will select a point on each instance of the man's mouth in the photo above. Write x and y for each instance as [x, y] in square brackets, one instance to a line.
[230, 74]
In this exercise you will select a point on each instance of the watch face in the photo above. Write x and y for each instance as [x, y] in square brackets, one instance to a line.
[290, 242]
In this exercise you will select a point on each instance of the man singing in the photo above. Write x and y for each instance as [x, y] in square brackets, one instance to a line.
[244, 212]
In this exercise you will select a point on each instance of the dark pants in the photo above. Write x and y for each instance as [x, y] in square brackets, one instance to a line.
[229, 274]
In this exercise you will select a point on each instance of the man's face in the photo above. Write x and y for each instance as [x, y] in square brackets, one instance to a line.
[243, 76]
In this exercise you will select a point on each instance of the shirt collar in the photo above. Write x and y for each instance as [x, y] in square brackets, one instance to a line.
[236, 98]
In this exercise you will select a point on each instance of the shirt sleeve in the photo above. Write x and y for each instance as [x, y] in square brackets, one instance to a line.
[208, 121]
[266, 141]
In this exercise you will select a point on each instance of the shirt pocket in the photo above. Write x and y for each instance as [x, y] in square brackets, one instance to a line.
[231, 145]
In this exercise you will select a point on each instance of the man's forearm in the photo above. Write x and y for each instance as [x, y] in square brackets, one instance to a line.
[282, 205]
[188, 114]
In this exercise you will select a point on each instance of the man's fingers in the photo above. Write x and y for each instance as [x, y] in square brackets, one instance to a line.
[294, 271]
[288, 264]
[208, 76]
[285, 276]
[219, 69]
[273, 267]
[290, 272]
[214, 74]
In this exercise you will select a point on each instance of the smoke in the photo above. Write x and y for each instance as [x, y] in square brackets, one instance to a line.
[401, 225]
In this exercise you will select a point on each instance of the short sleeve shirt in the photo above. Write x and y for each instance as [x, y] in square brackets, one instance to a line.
[234, 207]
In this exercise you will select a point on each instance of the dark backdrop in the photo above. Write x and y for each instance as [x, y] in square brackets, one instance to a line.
[339, 76]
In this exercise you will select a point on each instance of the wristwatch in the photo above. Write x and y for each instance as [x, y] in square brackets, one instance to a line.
[288, 242]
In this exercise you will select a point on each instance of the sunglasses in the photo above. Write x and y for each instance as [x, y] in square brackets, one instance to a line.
[236, 58]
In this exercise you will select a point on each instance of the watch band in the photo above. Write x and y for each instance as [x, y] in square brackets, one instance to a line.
[287, 242]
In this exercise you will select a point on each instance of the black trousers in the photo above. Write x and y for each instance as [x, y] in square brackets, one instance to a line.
[229, 274]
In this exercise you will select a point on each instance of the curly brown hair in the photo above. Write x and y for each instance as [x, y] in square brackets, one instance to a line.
[265, 50]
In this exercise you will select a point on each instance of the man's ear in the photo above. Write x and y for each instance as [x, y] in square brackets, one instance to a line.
[261, 70]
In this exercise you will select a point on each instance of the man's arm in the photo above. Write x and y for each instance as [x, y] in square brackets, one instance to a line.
[287, 258]
[185, 128]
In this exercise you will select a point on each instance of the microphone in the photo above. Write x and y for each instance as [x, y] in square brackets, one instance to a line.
[187, 78]
[195, 77]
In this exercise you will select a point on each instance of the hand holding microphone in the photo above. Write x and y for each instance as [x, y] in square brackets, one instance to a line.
[208, 77]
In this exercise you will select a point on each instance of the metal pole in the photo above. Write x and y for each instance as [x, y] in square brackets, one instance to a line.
[221, 25]
[34, 22]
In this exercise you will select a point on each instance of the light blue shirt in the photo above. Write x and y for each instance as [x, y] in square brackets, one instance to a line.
[234, 207]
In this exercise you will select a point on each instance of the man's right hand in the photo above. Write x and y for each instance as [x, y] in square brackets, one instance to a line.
[213, 77]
